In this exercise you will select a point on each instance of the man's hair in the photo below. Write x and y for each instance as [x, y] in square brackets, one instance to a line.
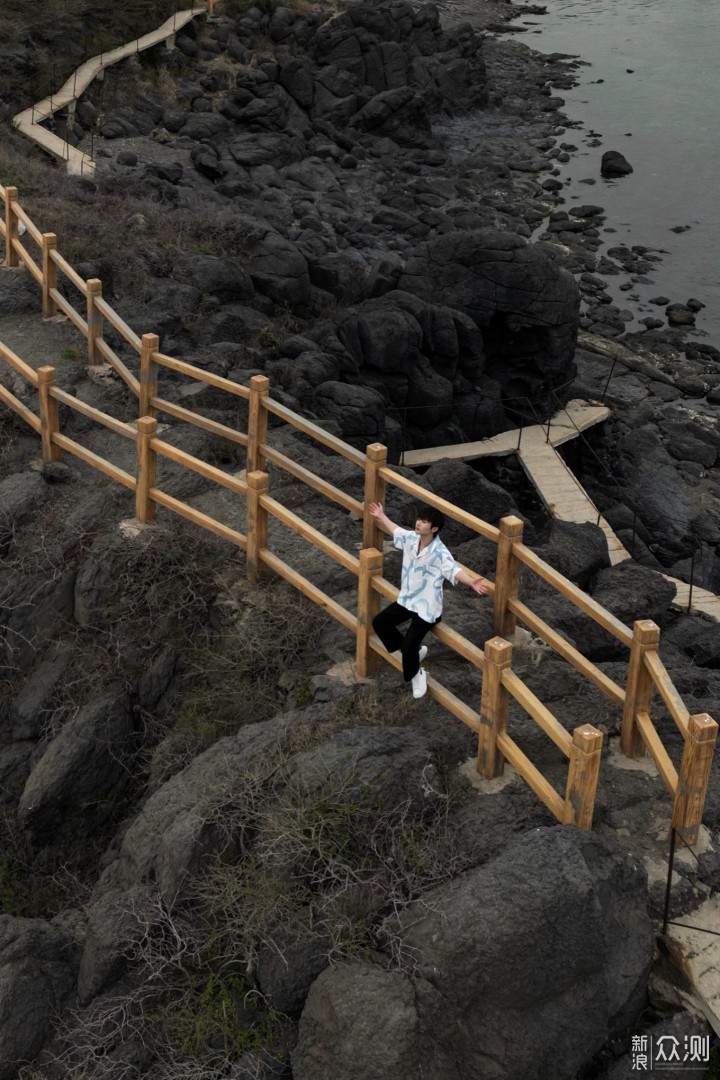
[431, 514]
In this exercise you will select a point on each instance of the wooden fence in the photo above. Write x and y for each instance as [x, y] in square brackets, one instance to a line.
[500, 683]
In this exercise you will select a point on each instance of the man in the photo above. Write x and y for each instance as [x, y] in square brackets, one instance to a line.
[426, 561]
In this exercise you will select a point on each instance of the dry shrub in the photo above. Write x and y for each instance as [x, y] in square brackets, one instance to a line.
[230, 676]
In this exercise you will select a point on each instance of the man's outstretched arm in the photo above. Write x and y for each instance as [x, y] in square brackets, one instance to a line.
[383, 521]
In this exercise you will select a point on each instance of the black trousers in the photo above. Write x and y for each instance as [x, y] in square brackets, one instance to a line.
[386, 625]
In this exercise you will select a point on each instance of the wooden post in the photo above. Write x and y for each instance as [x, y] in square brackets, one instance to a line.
[694, 774]
[150, 343]
[493, 708]
[371, 564]
[11, 256]
[257, 524]
[257, 422]
[49, 272]
[507, 573]
[49, 416]
[210, 6]
[640, 686]
[582, 776]
[94, 320]
[375, 460]
[146, 469]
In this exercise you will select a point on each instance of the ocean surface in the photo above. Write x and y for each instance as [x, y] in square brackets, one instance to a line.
[659, 104]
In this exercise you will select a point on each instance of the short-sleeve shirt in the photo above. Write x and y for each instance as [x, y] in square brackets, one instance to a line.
[421, 586]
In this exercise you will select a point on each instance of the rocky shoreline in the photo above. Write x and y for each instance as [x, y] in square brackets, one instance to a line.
[342, 201]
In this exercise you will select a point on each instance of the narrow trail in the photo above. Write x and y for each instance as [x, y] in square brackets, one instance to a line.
[29, 122]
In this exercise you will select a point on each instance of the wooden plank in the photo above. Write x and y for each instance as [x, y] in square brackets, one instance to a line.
[95, 461]
[639, 687]
[579, 416]
[494, 708]
[532, 776]
[460, 645]
[371, 564]
[256, 524]
[666, 688]
[28, 373]
[583, 776]
[22, 410]
[27, 258]
[92, 413]
[29, 224]
[146, 469]
[67, 309]
[453, 704]
[694, 776]
[451, 511]
[202, 468]
[507, 575]
[190, 417]
[311, 479]
[200, 375]
[566, 588]
[568, 652]
[116, 363]
[668, 772]
[316, 538]
[535, 708]
[307, 588]
[197, 517]
[70, 273]
[118, 323]
[315, 432]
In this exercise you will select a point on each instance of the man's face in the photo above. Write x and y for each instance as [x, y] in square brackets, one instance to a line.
[424, 528]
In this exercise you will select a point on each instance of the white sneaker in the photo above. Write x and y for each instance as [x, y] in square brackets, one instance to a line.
[423, 653]
[419, 684]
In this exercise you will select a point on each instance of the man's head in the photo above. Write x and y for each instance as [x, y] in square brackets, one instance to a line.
[429, 520]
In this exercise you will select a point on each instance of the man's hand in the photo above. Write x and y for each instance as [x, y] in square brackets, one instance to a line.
[480, 586]
[383, 521]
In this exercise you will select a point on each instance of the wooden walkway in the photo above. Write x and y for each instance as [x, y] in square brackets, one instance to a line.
[29, 121]
[565, 425]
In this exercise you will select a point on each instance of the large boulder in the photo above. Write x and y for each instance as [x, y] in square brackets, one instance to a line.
[77, 781]
[525, 305]
[38, 964]
[460, 484]
[522, 968]
[176, 831]
[657, 491]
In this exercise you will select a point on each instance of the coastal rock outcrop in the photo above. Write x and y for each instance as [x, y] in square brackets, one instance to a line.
[496, 990]
[38, 966]
[524, 305]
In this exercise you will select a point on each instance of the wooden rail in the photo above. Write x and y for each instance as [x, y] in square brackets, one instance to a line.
[687, 785]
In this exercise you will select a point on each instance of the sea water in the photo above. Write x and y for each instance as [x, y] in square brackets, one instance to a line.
[659, 104]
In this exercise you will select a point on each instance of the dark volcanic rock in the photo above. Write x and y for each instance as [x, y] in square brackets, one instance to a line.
[493, 995]
[38, 965]
[614, 164]
[526, 307]
[87, 765]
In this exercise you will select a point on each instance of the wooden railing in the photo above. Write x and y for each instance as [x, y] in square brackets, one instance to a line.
[500, 684]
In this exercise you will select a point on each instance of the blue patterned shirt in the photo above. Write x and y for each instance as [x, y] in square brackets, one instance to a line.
[421, 586]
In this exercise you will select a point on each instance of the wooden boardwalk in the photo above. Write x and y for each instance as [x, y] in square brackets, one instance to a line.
[29, 121]
[565, 425]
